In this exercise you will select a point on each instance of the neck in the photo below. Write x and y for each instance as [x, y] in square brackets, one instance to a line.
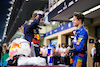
[78, 26]
[31, 19]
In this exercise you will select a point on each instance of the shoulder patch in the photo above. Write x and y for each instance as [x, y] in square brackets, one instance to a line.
[29, 23]
[37, 17]
[79, 39]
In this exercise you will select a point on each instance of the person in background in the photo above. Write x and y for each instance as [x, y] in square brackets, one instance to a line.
[44, 52]
[57, 52]
[4, 54]
[96, 59]
[31, 31]
[93, 52]
[63, 54]
[8, 47]
[4, 48]
[67, 57]
[41, 48]
[54, 55]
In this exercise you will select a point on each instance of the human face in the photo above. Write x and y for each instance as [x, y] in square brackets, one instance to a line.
[42, 20]
[75, 21]
[63, 46]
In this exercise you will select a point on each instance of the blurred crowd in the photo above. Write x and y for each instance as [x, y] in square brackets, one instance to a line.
[59, 53]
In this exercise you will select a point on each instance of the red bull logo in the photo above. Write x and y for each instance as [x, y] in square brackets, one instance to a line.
[37, 36]
[14, 45]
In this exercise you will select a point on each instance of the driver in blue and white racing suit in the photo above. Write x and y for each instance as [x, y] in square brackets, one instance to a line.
[79, 43]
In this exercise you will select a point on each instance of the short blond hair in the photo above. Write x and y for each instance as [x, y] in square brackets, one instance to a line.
[35, 14]
[36, 11]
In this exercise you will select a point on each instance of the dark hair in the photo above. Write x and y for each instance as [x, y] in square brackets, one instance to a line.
[79, 16]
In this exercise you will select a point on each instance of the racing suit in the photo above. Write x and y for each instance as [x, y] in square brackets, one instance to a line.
[80, 45]
[32, 34]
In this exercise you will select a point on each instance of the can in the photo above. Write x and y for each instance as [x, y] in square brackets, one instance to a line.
[50, 56]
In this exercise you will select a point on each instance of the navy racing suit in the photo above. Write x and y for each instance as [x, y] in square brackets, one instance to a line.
[31, 31]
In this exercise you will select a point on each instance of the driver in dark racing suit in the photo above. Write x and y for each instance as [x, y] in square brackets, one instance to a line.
[31, 31]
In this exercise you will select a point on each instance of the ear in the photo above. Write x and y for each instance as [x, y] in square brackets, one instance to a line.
[80, 20]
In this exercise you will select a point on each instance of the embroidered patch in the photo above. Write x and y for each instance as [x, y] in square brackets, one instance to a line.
[37, 17]
[79, 60]
[29, 24]
[79, 39]
[40, 52]
[81, 36]
[80, 55]
[37, 36]
[79, 63]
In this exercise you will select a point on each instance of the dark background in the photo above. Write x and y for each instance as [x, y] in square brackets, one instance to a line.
[4, 5]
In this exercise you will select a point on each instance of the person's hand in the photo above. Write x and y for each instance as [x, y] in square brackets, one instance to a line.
[68, 49]
[40, 12]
